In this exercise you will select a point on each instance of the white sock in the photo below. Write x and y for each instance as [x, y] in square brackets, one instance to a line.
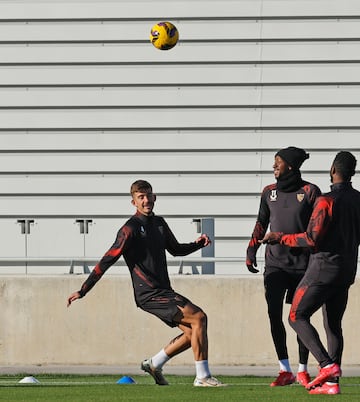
[285, 365]
[202, 369]
[302, 367]
[160, 359]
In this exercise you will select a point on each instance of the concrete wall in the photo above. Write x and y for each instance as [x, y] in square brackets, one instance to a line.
[106, 328]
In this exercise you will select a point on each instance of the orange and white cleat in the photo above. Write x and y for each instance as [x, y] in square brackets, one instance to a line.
[326, 389]
[325, 374]
[303, 378]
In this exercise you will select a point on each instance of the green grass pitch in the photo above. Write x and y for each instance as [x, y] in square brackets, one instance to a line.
[104, 388]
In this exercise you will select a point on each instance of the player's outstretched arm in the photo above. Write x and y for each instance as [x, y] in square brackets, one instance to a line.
[271, 238]
[74, 296]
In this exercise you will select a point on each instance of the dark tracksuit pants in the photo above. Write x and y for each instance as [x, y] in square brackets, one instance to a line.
[280, 284]
[307, 300]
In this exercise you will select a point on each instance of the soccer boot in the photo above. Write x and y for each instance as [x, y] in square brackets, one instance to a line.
[324, 375]
[303, 378]
[155, 373]
[208, 382]
[284, 378]
[326, 389]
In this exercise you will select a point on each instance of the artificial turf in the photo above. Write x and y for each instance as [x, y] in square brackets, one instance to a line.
[104, 388]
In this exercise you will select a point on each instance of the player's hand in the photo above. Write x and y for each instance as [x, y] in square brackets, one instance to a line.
[204, 239]
[251, 260]
[251, 264]
[271, 238]
[73, 297]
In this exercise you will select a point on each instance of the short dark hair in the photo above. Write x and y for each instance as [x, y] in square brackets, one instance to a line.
[345, 164]
[140, 186]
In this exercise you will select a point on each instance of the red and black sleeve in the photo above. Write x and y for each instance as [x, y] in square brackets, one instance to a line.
[317, 227]
[261, 225]
[109, 259]
[179, 249]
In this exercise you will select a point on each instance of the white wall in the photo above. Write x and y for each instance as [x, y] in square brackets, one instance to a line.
[88, 105]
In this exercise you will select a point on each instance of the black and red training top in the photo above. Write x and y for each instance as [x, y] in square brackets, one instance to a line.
[333, 230]
[142, 241]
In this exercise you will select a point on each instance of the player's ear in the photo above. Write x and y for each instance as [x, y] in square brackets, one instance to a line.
[132, 201]
[154, 195]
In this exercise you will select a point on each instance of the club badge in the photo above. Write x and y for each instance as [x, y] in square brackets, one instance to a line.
[300, 197]
[273, 195]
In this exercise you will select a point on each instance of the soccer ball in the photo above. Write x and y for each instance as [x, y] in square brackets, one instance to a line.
[164, 35]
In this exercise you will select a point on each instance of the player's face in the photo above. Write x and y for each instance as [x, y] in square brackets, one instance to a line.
[144, 202]
[280, 167]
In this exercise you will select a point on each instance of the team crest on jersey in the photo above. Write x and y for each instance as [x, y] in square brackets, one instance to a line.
[300, 197]
[273, 195]
[142, 231]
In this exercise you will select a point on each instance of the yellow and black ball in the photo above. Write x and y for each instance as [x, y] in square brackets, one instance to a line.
[164, 35]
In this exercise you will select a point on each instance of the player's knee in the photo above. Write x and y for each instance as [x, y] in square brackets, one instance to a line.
[187, 336]
[294, 317]
[291, 321]
[202, 318]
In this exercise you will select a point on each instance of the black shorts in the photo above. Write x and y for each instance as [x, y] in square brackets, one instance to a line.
[165, 305]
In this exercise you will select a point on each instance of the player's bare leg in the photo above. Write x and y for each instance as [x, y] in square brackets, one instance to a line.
[194, 318]
[191, 316]
[193, 322]
[180, 343]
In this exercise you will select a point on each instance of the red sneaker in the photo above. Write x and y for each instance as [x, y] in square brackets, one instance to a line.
[324, 375]
[284, 378]
[303, 378]
[328, 389]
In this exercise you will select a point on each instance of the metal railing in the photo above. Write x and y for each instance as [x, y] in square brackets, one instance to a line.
[196, 263]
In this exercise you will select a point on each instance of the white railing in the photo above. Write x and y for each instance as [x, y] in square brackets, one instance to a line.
[194, 262]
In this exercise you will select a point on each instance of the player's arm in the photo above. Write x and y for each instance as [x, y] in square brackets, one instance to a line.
[262, 222]
[317, 227]
[109, 259]
[180, 249]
